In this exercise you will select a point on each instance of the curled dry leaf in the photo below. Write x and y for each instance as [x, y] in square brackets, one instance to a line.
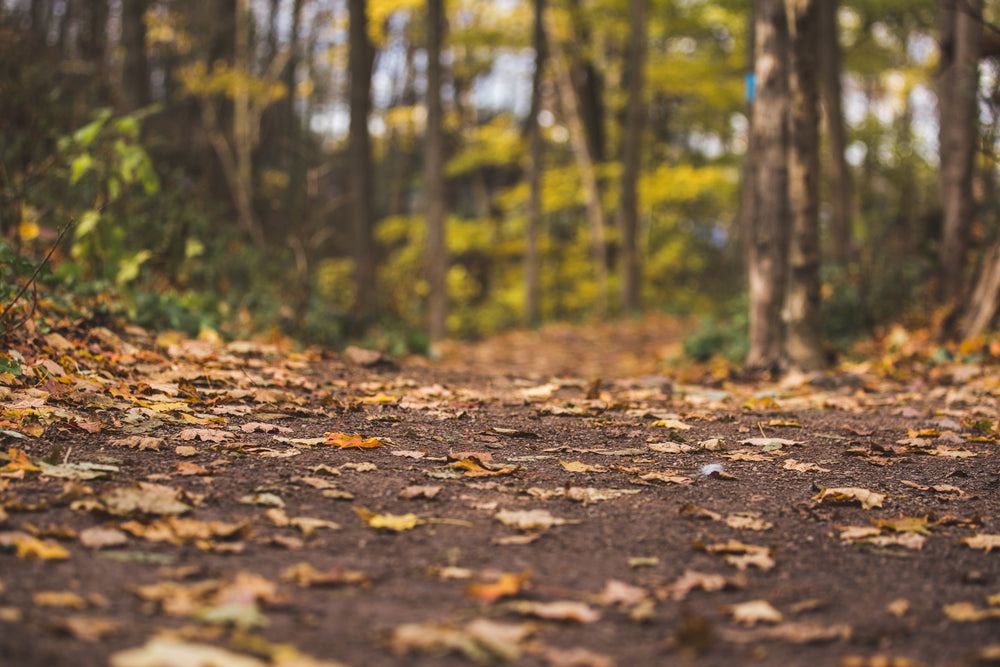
[529, 519]
[205, 434]
[868, 499]
[420, 491]
[481, 640]
[506, 585]
[983, 541]
[753, 612]
[139, 442]
[559, 610]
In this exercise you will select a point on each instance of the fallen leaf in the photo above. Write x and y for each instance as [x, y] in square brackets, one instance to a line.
[573, 657]
[87, 628]
[393, 522]
[792, 464]
[621, 593]
[167, 652]
[346, 441]
[58, 599]
[691, 580]
[100, 537]
[753, 612]
[983, 541]
[868, 499]
[966, 612]
[577, 466]
[529, 519]
[416, 491]
[139, 442]
[792, 632]
[264, 499]
[560, 610]
[507, 584]
[144, 498]
[747, 521]
[205, 434]
[305, 575]
[481, 640]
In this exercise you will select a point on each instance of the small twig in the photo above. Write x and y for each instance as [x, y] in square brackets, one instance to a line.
[66, 455]
[761, 430]
[31, 281]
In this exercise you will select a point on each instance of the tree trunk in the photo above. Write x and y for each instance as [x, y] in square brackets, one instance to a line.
[534, 212]
[839, 174]
[803, 342]
[588, 176]
[958, 86]
[360, 172]
[981, 309]
[768, 251]
[135, 84]
[437, 253]
[634, 124]
[586, 82]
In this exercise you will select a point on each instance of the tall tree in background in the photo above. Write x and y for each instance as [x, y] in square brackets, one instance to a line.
[803, 345]
[534, 175]
[135, 78]
[588, 174]
[361, 59]
[436, 252]
[958, 84]
[769, 225]
[635, 114]
[833, 114]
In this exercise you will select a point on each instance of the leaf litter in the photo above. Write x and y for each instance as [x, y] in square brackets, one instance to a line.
[270, 500]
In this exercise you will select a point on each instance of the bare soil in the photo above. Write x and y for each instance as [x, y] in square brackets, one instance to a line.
[675, 522]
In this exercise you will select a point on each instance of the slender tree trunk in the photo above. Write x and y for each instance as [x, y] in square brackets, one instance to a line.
[586, 80]
[768, 251]
[839, 174]
[437, 253]
[803, 343]
[634, 126]
[360, 171]
[135, 84]
[534, 212]
[748, 188]
[588, 176]
[958, 87]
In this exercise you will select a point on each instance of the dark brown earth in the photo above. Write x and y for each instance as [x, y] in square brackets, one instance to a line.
[700, 525]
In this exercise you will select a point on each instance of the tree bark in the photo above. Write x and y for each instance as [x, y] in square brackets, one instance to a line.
[768, 251]
[587, 83]
[135, 88]
[839, 174]
[361, 59]
[437, 254]
[632, 151]
[588, 176]
[534, 212]
[803, 342]
[958, 85]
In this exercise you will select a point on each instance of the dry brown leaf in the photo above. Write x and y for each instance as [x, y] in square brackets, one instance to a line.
[868, 499]
[753, 612]
[508, 584]
[529, 519]
[983, 541]
[66, 599]
[559, 610]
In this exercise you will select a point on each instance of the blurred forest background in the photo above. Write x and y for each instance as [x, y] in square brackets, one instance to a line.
[399, 171]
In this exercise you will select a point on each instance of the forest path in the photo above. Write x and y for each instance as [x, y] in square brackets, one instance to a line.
[625, 348]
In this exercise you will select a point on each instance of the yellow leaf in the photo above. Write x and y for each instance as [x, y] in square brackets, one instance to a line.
[396, 522]
[31, 547]
[868, 499]
[577, 466]
[58, 599]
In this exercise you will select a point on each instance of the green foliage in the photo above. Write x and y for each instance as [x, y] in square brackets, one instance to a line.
[722, 336]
